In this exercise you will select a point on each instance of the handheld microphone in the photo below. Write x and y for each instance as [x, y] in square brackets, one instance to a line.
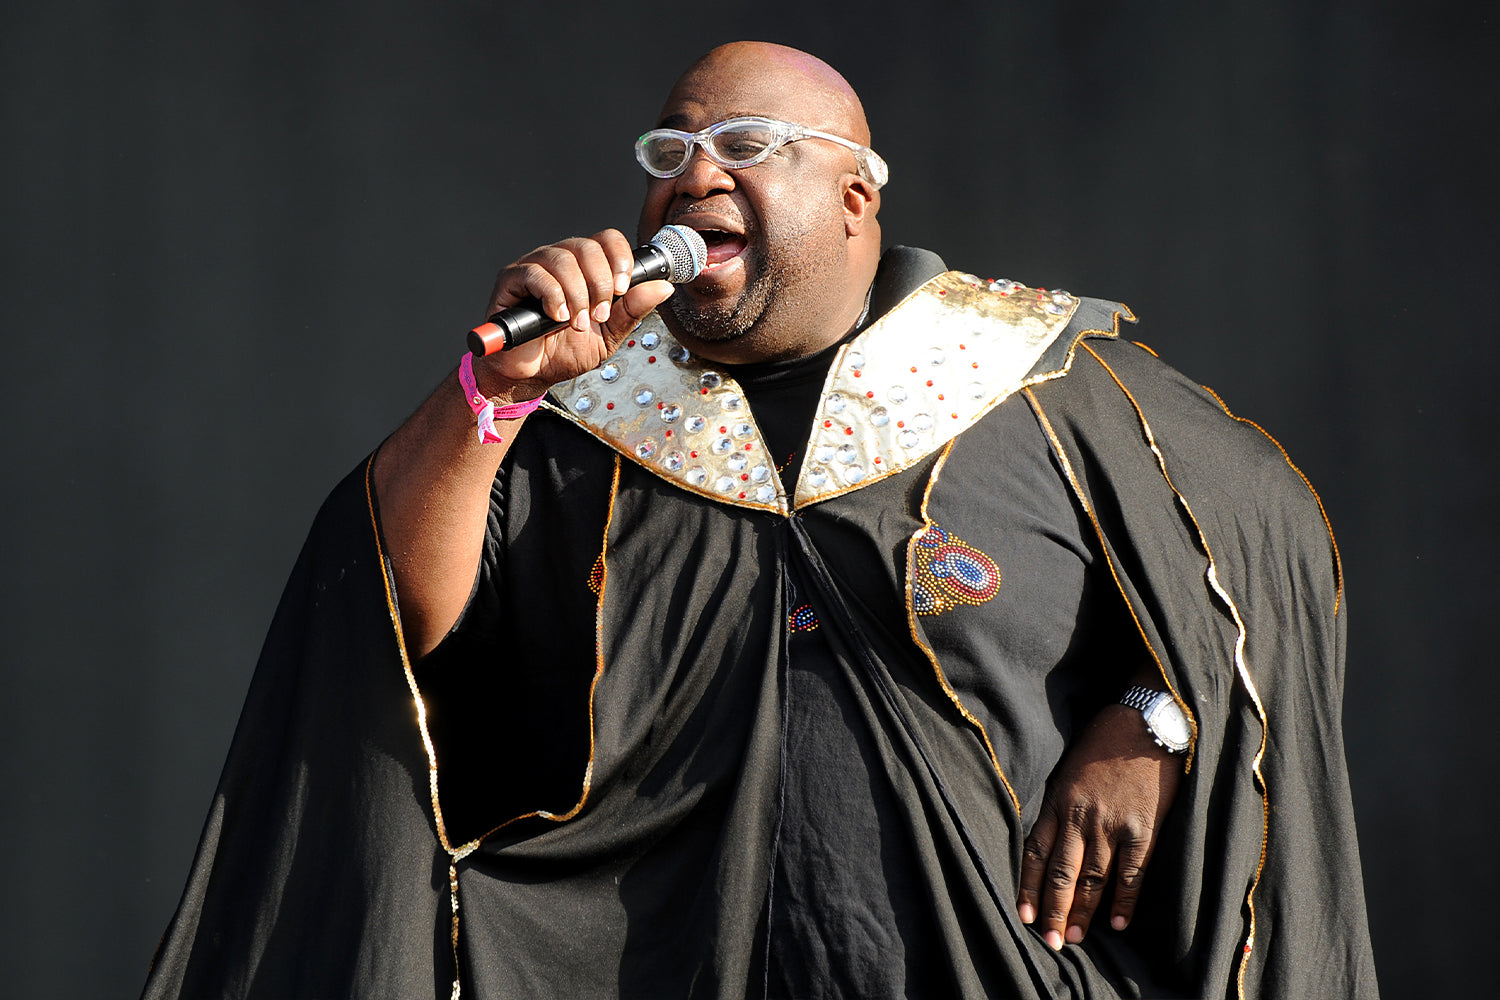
[677, 254]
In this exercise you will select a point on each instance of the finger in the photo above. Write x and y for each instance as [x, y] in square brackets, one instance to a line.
[533, 277]
[596, 271]
[632, 307]
[1061, 878]
[1093, 876]
[1135, 853]
[621, 257]
[1034, 855]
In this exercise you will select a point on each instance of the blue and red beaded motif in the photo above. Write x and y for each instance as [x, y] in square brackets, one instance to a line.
[802, 619]
[948, 572]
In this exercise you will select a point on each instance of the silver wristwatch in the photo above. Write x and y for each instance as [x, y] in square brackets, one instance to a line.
[1164, 719]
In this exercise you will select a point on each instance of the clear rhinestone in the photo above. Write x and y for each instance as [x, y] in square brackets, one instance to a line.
[921, 422]
[765, 494]
[678, 353]
[742, 430]
[908, 439]
[722, 446]
[1003, 285]
[823, 453]
[609, 371]
[710, 380]
[835, 403]
[760, 474]
[817, 479]
[1057, 308]
[977, 390]
[650, 340]
[853, 474]
[897, 394]
[694, 424]
[645, 449]
[972, 279]
[644, 396]
[879, 417]
[847, 453]
[936, 356]
[731, 401]
[737, 462]
[855, 360]
[724, 484]
[673, 461]
[583, 404]
[697, 475]
[671, 413]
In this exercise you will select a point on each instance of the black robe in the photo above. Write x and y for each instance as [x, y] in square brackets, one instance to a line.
[584, 792]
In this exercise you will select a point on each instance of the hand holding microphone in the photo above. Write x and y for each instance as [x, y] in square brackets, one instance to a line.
[676, 254]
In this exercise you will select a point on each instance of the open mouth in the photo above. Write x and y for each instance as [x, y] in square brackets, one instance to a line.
[722, 247]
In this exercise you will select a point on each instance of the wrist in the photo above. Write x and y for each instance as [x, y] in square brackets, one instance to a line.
[484, 407]
[503, 389]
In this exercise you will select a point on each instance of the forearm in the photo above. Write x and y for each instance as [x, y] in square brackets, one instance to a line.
[432, 480]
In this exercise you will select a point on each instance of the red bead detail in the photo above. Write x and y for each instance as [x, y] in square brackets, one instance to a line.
[961, 347]
[668, 434]
[942, 291]
[869, 395]
[955, 416]
[848, 430]
[929, 383]
[692, 454]
[723, 430]
[857, 374]
[913, 371]
[974, 364]
[703, 392]
[744, 477]
[901, 423]
[940, 397]
[742, 496]
[609, 406]
[630, 343]
[749, 447]
[877, 460]
[651, 360]
[660, 405]
[828, 423]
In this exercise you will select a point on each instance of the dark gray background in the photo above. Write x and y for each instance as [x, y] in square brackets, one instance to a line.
[242, 241]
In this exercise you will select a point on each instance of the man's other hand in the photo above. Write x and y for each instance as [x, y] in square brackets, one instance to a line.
[1105, 803]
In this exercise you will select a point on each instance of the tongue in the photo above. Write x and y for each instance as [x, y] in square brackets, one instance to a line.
[724, 246]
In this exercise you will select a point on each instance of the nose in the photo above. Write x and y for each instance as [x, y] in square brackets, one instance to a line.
[703, 176]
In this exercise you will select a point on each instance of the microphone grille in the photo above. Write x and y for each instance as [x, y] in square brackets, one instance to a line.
[686, 252]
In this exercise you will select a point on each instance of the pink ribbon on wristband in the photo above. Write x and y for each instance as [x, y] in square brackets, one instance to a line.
[485, 411]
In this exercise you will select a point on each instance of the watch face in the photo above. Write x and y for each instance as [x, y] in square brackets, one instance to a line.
[1169, 724]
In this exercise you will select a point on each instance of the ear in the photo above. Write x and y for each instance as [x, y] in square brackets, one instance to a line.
[861, 204]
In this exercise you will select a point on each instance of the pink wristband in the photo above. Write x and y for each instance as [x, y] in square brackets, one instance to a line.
[485, 411]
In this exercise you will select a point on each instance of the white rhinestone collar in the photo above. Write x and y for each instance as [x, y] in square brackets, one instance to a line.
[916, 378]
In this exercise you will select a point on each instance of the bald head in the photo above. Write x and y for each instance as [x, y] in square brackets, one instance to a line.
[752, 67]
[793, 238]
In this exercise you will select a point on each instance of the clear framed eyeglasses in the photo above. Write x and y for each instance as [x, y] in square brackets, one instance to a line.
[742, 142]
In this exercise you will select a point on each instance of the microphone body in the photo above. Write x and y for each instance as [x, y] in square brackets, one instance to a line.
[676, 254]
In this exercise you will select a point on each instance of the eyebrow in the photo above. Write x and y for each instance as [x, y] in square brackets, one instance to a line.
[678, 120]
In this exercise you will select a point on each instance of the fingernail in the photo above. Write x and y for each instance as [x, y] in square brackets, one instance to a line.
[1118, 923]
[601, 313]
[1054, 940]
[562, 314]
[1027, 911]
[622, 283]
[581, 322]
[1075, 934]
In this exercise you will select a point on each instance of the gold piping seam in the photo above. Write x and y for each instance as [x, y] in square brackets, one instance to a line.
[1062, 457]
[463, 851]
[1338, 562]
[454, 854]
[1241, 666]
[1147, 349]
[911, 622]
